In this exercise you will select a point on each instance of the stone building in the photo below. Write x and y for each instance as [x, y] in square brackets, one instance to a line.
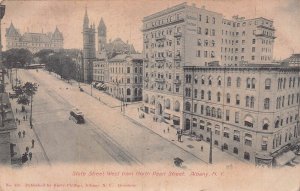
[33, 41]
[126, 77]
[185, 35]
[252, 110]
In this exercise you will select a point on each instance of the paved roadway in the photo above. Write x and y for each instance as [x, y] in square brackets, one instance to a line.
[107, 137]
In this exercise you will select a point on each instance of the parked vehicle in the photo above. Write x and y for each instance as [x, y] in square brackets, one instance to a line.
[77, 116]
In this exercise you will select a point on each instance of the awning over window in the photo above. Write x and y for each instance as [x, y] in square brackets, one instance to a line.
[248, 137]
[236, 133]
[266, 121]
[249, 119]
[285, 158]
[176, 118]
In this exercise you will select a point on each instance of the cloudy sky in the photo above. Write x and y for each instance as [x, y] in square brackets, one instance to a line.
[123, 18]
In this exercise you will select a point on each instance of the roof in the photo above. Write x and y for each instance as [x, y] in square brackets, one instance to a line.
[293, 59]
[122, 57]
[57, 35]
[12, 31]
[118, 47]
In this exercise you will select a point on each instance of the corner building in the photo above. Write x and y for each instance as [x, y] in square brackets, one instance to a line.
[252, 111]
[185, 35]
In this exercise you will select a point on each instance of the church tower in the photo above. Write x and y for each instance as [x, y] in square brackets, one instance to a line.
[101, 36]
[89, 49]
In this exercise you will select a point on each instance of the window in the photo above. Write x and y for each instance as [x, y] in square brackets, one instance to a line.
[237, 117]
[268, 84]
[264, 143]
[253, 83]
[213, 112]
[252, 102]
[202, 80]
[225, 146]
[229, 81]
[226, 132]
[237, 99]
[218, 96]
[219, 81]
[219, 113]
[235, 150]
[248, 139]
[227, 115]
[209, 80]
[195, 108]
[195, 93]
[128, 70]
[253, 41]
[128, 91]
[209, 95]
[187, 106]
[208, 111]
[202, 94]
[248, 82]
[238, 82]
[248, 122]
[246, 156]
[267, 103]
[228, 98]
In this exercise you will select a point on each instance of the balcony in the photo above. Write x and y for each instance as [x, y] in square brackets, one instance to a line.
[177, 58]
[177, 34]
[160, 59]
[160, 80]
[162, 37]
[176, 81]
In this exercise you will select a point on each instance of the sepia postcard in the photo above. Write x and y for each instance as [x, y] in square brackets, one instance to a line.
[150, 95]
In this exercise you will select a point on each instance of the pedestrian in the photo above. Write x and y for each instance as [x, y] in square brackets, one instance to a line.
[32, 141]
[23, 118]
[201, 148]
[27, 149]
[19, 133]
[23, 133]
[30, 156]
[168, 130]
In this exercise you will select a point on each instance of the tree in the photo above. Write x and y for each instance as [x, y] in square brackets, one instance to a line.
[16, 58]
[24, 100]
[19, 90]
[43, 55]
[30, 89]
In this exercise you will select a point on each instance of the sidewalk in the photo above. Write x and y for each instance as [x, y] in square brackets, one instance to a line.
[38, 156]
[189, 144]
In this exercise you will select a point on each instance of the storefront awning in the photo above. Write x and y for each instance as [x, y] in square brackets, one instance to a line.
[285, 158]
[249, 119]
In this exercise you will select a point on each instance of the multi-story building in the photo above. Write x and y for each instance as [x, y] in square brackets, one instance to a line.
[252, 110]
[89, 49]
[185, 35]
[7, 126]
[126, 77]
[33, 41]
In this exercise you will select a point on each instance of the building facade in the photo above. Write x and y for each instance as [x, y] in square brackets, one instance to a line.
[89, 49]
[252, 110]
[126, 77]
[185, 35]
[33, 41]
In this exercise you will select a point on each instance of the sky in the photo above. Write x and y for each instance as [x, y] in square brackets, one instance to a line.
[123, 18]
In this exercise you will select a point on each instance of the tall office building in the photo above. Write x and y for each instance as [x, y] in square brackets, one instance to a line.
[185, 35]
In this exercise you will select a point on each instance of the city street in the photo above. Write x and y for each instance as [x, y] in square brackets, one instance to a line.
[106, 137]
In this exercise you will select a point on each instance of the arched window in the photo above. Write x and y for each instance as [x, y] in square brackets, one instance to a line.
[202, 94]
[265, 124]
[210, 80]
[208, 111]
[268, 84]
[284, 80]
[253, 81]
[277, 123]
[246, 156]
[195, 93]
[202, 80]
[252, 102]
[228, 81]
[218, 96]
[177, 106]
[228, 98]
[248, 82]
[219, 81]
[213, 112]
[196, 79]
[128, 91]
[248, 139]
[267, 103]
[135, 92]
[187, 106]
[238, 82]
[209, 95]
